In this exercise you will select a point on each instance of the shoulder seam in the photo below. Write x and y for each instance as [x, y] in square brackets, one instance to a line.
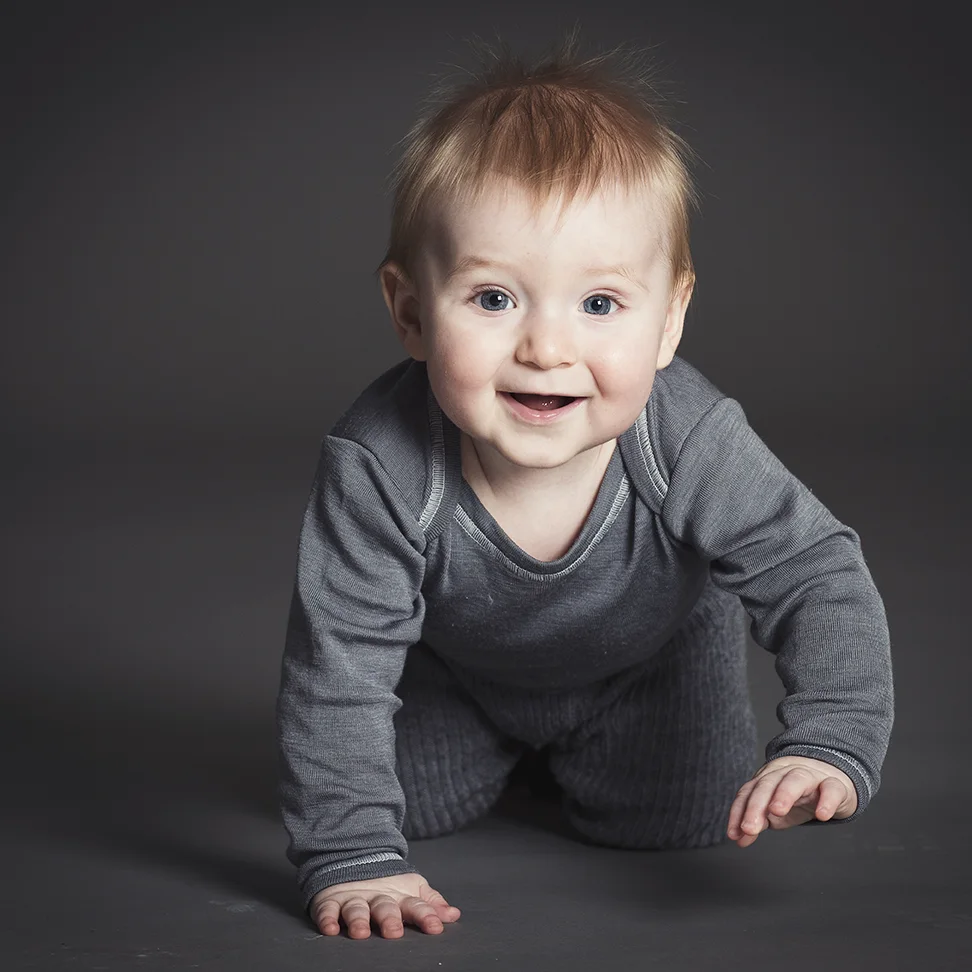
[654, 469]
[437, 445]
[698, 422]
[652, 466]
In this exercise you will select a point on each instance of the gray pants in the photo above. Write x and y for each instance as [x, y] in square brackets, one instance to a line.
[650, 758]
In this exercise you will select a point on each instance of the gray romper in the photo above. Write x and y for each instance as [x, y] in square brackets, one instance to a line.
[426, 652]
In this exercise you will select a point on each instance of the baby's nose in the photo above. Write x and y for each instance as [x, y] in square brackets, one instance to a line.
[547, 343]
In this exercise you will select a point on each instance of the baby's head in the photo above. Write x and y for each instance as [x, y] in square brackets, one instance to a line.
[539, 247]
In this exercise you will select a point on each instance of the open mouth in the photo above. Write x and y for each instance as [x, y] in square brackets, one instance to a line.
[542, 403]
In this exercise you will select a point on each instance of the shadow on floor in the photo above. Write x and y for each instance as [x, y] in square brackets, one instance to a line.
[186, 792]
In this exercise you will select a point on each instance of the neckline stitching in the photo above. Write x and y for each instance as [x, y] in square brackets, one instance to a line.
[469, 527]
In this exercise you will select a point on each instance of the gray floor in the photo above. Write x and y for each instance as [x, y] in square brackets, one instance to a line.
[146, 601]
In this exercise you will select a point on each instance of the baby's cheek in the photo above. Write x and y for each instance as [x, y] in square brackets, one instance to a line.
[458, 388]
[623, 374]
[463, 366]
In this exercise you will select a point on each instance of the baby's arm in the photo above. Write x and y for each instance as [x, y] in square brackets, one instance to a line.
[356, 608]
[801, 576]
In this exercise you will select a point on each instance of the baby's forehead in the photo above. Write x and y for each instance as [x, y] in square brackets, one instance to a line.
[605, 227]
[518, 201]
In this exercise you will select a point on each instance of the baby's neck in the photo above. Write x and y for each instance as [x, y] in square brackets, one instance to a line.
[494, 478]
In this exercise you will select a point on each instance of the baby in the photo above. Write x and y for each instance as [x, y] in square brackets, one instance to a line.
[544, 530]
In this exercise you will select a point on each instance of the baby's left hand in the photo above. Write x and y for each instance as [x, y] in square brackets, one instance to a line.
[788, 791]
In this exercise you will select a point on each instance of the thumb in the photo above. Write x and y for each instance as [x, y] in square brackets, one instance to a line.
[442, 907]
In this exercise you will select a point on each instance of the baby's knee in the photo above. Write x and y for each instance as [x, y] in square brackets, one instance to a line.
[428, 816]
[417, 827]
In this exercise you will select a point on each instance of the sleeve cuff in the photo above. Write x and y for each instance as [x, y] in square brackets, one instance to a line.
[359, 869]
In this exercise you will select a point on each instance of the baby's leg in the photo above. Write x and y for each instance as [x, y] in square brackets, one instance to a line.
[453, 763]
[660, 765]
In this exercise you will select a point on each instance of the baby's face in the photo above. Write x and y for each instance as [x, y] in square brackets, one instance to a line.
[545, 321]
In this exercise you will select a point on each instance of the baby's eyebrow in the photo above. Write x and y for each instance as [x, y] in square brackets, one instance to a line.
[473, 263]
[620, 270]
[478, 262]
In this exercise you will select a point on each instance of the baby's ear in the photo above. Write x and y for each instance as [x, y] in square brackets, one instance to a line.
[674, 322]
[403, 305]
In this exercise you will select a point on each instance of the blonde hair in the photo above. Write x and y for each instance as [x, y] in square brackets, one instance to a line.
[563, 125]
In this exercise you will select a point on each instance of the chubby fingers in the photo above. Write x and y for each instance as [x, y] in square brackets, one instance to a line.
[770, 794]
[423, 914]
[832, 794]
[428, 914]
[355, 911]
[745, 820]
[387, 911]
[326, 916]
[387, 916]
[443, 909]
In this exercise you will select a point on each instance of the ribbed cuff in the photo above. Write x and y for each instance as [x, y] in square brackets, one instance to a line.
[358, 869]
[843, 762]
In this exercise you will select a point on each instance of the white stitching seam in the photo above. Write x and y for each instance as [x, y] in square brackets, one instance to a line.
[438, 464]
[370, 859]
[648, 454]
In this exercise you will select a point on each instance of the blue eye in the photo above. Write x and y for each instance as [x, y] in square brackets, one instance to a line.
[492, 295]
[495, 300]
[602, 301]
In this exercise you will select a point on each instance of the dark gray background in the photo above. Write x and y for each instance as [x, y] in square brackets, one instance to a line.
[194, 200]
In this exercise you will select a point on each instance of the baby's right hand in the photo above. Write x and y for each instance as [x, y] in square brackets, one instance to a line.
[389, 900]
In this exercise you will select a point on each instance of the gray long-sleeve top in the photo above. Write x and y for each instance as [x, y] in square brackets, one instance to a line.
[395, 547]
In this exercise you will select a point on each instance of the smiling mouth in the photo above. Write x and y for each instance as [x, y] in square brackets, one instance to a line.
[542, 403]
